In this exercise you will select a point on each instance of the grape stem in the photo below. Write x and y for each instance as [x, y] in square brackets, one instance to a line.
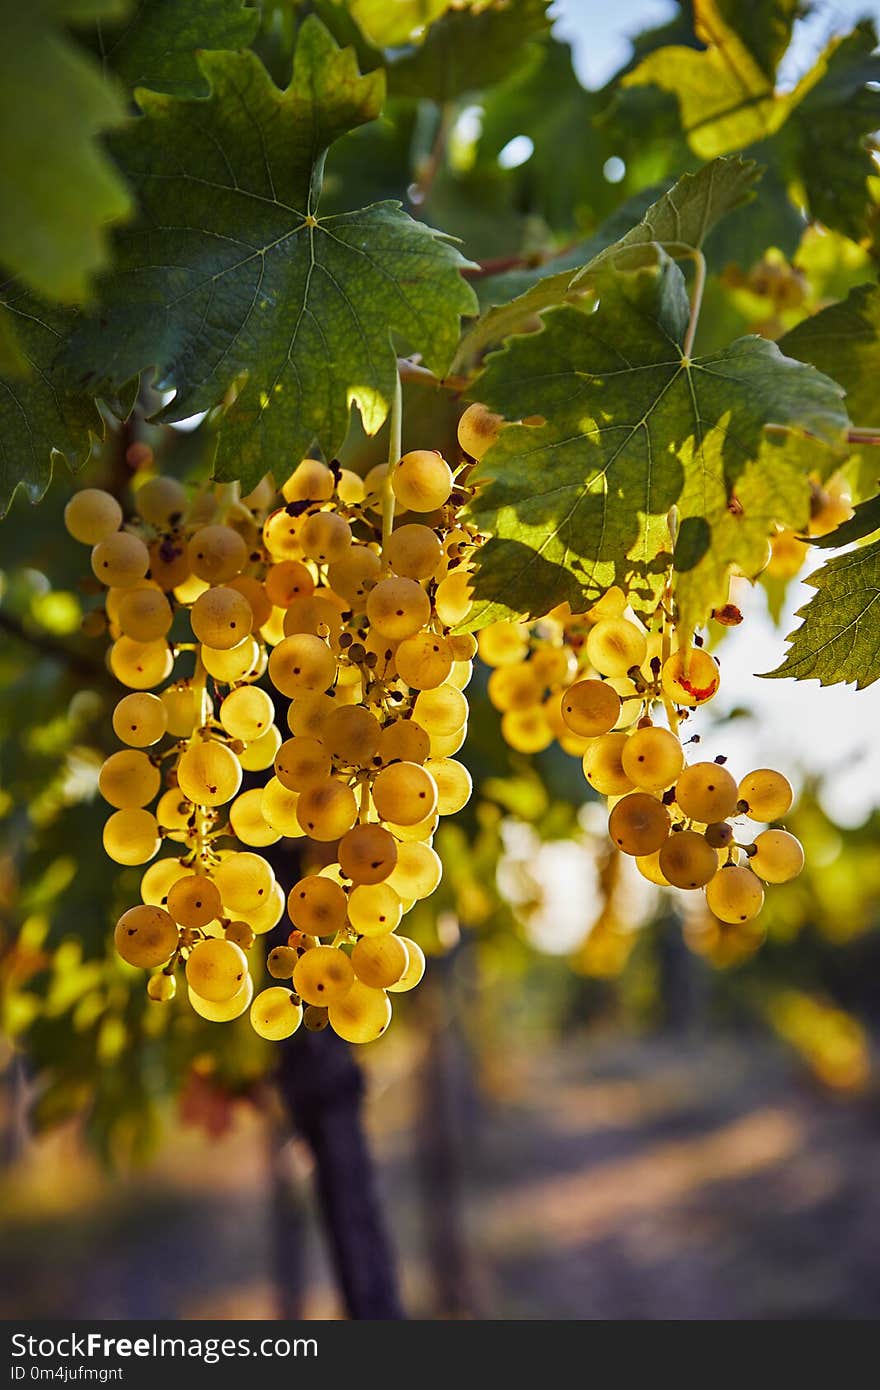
[699, 261]
[394, 452]
[202, 712]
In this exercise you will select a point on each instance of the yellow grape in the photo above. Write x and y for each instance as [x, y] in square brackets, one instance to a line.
[380, 961]
[161, 988]
[131, 836]
[706, 792]
[216, 970]
[248, 822]
[687, 860]
[246, 713]
[158, 879]
[194, 901]
[221, 618]
[257, 598]
[367, 854]
[397, 608]
[445, 745]
[525, 730]
[453, 598]
[630, 707]
[318, 906]
[503, 644]
[281, 962]
[241, 934]
[515, 687]
[417, 872]
[146, 936]
[652, 758]
[302, 662]
[323, 975]
[245, 882]
[374, 909]
[308, 712]
[301, 762]
[403, 741]
[327, 809]
[648, 866]
[767, 794]
[120, 560]
[690, 678]
[735, 894]
[276, 1013]
[422, 481]
[310, 481]
[414, 970]
[144, 614]
[454, 784]
[286, 581]
[325, 537]
[140, 720]
[279, 809]
[411, 834]
[778, 858]
[591, 708]
[615, 645]
[639, 824]
[603, 765]
[217, 554]
[478, 430]
[414, 551]
[128, 779]
[169, 564]
[404, 793]
[161, 501]
[266, 917]
[355, 574]
[208, 774]
[234, 663]
[140, 665]
[787, 555]
[464, 647]
[227, 1009]
[362, 1015]
[441, 711]
[351, 734]
[92, 515]
[180, 709]
[262, 752]
[424, 660]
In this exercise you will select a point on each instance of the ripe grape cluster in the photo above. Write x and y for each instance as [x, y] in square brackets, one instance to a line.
[594, 681]
[338, 595]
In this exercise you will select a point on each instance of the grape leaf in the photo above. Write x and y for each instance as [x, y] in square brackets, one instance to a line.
[679, 221]
[726, 91]
[231, 286]
[38, 419]
[839, 638]
[630, 429]
[13, 363]
[843, 341]
[467, 50]
[390, 24]
[156, 44]
[58, 189]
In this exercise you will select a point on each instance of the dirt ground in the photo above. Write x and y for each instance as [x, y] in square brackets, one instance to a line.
[653, 1179]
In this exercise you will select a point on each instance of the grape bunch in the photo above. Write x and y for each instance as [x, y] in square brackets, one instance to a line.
[340, 596]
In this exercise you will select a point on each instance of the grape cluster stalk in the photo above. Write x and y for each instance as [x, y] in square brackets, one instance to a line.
[341, 596]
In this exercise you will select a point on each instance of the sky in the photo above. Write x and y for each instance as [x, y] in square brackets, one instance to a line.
[800, 727]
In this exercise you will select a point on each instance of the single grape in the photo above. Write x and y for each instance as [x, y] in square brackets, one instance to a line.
[161, 501]
[140, 665]
[128, 779]
[398, 608]
[302, 662]
[327, 809]
[414, 551]
[525, 730]
[615, 645]
[194, 902]
[454, 784]
[161, 988]
[221, 618]
[278, 806]
[417, 873]
[131, 836]
[120, 560]
[603, 765]
[687, 860]
[310, 481]
[146, 936]
[690, 678]
[362, 1015]
[735, 894]
[169, 563]
[241, 934]
[325, 537]
[301, 762]
[719, 834]
[323, 975]
[281, 962]
[276, 1013]
[217, 554]
[778, 858]
[286, 581]
[352, 734]
[706, 792]
[442, 711]
[423, 661]
[422, 481]
[234, 663]
[367, 854]
[208, 774]
[216, 969]
[246, 713]
[140, 720]
[318, 906]
[144, 613]
[639, 824]
[591, 708]
[503, 644]
[652, 758]
[265, 918]
[374, 909]
[478, 430]
[453, 598]
[355, 574]
[92, 515]
[315, 1019]
[404, 793]
[227, 1009]
[245, 882]
[767, 794]
[262, 752]
[308, 713]
[380, 961]
[257, 598]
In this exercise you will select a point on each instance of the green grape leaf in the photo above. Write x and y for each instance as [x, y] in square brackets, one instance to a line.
[843, 341]
[38, 419]
[726, 91]
[389, 25]
[630, 429]
[13, 363]
[467, 50]
[157, 42]
[679, 222]
[839, 638]
[58, 188]
[864, 521]
[232, 287]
